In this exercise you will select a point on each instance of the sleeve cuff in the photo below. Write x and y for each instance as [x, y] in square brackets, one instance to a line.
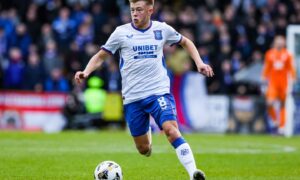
[177, 41]
[106, 50]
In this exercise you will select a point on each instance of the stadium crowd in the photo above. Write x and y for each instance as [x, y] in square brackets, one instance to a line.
[44, 42]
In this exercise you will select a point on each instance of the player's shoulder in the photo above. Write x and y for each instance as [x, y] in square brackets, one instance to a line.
[160, 24]
[286, 51]
[123, 27]
[271, 52]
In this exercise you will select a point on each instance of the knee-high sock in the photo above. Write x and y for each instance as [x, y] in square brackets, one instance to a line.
[282, 117]
[185, 155]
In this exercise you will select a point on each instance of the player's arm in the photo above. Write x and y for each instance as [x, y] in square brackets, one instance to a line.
[266, 68]
[190, 47]
[94, 63]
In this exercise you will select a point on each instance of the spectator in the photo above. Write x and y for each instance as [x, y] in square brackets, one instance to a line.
[84, 36]
[22, 39]
[51, 59]
[263, 40]
[46, 36]
[257, 57]
[236, 62]
[34, 73]
[243, 46]
[78, 14]
[56, 82]
[9, 21]
[227, 78]
[64, 29]
[73, 60]
[32, 22]
[168, 16]
[90, 49]
[100, 18]
[14, 73]
[3, 44]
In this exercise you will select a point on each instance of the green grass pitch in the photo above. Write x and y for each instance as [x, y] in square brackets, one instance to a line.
[74, 155]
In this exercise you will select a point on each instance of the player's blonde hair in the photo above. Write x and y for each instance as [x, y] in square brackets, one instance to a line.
[149, 2]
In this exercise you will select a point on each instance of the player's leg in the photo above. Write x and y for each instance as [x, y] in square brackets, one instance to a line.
[282, 114]
[143, 143]
[271, 100]
[271, 110]
[282, 118]
[162, 108]
[182, 148]
[272, 116]
[138, 123]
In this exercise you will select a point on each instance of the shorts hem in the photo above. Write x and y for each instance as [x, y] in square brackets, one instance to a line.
[166, 118]
[139, 134]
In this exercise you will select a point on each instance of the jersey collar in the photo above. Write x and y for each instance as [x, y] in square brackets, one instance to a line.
[141, 30]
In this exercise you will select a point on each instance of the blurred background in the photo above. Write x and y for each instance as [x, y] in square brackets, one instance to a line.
[44, 42]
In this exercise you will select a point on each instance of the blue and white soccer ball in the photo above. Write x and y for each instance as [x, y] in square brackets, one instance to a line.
[108, 170]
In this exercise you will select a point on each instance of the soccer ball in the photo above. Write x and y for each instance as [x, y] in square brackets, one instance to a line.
[108, 170]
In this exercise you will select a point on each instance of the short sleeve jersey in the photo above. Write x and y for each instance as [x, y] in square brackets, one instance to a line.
[142, 63]
[278, 67]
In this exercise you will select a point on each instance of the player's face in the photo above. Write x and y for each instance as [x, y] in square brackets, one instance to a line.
[140, 14]
[279, 42]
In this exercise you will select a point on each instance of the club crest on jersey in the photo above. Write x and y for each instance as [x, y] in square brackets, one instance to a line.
[158, 35]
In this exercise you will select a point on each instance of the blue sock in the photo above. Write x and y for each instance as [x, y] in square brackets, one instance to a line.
[178, 142]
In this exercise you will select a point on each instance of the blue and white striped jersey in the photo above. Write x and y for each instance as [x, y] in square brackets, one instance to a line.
[142, 63]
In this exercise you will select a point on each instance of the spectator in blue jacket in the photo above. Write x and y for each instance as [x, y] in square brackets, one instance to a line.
[13, 74]
[64, 29]
[57, 82]
[22, 39]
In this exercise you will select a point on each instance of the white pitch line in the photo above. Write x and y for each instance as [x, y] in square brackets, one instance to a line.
[161, 150]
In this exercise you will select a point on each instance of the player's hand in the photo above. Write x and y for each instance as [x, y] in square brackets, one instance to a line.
[80, 76]
[206, 70]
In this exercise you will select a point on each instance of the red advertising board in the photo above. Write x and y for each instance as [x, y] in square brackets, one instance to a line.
[24, 110]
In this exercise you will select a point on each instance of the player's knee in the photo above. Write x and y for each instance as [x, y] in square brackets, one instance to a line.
[143, 148]
[172, 132]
